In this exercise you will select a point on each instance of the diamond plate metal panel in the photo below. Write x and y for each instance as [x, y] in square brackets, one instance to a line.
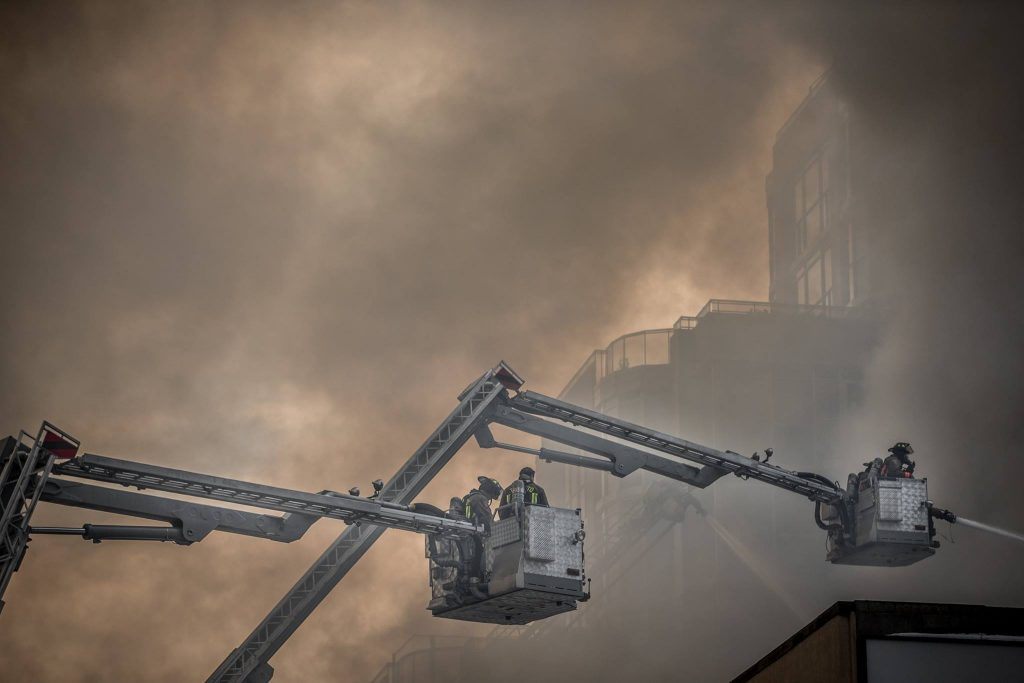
[549, 548]
[901, 505]
[912, 508]
[890, 499]
[892, 525]
[541, 539]
[503, 532]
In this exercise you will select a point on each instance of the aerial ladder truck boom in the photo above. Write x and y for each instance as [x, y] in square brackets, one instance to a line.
[191, 522]
[532, 560]
[620, 448]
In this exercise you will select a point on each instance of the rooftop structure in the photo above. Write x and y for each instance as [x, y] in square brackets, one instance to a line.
[883, 642]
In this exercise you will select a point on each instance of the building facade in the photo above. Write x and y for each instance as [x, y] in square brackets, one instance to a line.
[826, 246]
[688, 565]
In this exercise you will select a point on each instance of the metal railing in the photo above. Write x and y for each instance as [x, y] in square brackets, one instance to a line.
[426, 658]
[647, 347]
[739, 307]
[651, 347]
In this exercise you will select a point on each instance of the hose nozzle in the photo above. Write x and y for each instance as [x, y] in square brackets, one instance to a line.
[940, 513]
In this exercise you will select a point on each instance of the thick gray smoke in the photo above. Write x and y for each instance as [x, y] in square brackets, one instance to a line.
[937, 91]
[934, 95]
[274, 241]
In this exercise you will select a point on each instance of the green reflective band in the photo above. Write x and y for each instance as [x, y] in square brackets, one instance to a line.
[533, 497]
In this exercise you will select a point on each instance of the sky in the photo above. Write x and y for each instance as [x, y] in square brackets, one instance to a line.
[274, 241]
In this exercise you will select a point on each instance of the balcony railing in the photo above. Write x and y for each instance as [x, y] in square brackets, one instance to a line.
[735, 307]
[649, 347]
[426, 658]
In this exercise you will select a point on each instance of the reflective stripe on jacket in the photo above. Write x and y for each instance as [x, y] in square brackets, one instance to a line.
[532, 495]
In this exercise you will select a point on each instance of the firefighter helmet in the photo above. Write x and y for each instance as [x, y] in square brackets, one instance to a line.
[490, 487]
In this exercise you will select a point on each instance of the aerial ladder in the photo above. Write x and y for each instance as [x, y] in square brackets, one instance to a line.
[530, 565]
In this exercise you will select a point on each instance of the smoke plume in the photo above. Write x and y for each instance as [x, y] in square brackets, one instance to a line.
[273, 241]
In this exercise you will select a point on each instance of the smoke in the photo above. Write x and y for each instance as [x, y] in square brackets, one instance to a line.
[274, 241]
[936, 95]
[933, 93]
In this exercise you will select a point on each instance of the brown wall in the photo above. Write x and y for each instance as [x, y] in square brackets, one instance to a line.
[825, 655]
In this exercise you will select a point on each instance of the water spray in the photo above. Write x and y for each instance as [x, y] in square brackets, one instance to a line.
[940, 513]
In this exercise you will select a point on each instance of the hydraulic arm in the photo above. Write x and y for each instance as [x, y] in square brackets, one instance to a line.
[541, 416]
[28, 466]
[190, 522]
[347, 508]
[520, 410]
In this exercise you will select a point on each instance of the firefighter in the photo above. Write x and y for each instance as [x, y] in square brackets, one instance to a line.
[533, 493]
[476, 504]
[456, 510]
[897, 464]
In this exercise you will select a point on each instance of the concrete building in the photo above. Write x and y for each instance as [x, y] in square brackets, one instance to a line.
[741, 376]
[825, 245]
[815, 255]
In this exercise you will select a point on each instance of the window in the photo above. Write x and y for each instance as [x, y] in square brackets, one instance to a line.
[814, 281]
[657, 348]
[826, 277]
[634, 356]
[614, 358]
[650, 347]
[809, 204]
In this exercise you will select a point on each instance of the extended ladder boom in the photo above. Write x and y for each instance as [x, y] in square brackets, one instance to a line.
[621, 448]
[487, 402]
[347, 508]
[719, 462]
